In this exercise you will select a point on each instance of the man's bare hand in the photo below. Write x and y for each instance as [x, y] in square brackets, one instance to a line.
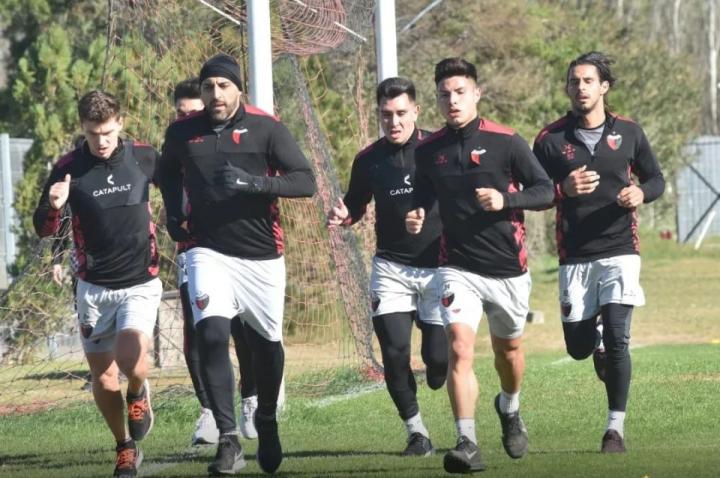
[580, 181]
[490, 199]
[414, 220]
[630, 197]
[59, 192]
[337, 214]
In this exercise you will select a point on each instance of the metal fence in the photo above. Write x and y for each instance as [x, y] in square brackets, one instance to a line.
[698, 188]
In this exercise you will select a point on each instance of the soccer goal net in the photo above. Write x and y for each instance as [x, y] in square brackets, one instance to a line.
[152, 45]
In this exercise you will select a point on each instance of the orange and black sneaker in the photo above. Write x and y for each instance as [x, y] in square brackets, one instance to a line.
[129, 458]
[140, 414]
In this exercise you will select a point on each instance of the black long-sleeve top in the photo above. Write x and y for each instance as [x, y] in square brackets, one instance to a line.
[451, 164]
[594, 226]
[386, 172]
[239, 224]
[113, 232]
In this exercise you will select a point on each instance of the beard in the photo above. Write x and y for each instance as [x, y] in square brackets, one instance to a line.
[224, 114]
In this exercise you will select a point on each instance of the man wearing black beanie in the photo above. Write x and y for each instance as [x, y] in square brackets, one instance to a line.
[228, 159]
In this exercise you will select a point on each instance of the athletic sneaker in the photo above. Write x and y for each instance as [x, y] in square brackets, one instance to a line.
[269, 452]
[514, 434]
[600, 362]
[229, 458]
[418, 445]
[464, 458]
[128, 460]
[206, 432]
[140, 414]
[247, 419]
[612, 442]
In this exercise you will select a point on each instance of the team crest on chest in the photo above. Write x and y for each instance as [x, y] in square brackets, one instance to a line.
[476, 153]
[202, 301]
[236, 135]
[614, 140]
[441, 159]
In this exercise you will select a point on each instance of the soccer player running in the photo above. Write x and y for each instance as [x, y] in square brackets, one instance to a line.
[474, 169]
[105, 182]
[591, 155]
[404, 265]
[186, 97]
[226, 158]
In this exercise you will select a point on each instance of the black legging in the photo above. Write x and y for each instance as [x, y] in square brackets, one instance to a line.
[581, 339]
[248, 387]
[192, 356]
[190, 348]
[393, 332]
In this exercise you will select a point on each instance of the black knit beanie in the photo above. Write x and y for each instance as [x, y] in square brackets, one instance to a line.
[222, 65]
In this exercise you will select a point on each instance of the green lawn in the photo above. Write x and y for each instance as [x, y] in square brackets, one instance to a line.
[672, 429]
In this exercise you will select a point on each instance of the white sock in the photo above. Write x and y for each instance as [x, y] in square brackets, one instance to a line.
[616, 421]
[466, 427]
[509, 402]
[416, 425]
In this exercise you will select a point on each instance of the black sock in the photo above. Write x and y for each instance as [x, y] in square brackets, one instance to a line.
[216, 370]
[393, 332]
[268, 360]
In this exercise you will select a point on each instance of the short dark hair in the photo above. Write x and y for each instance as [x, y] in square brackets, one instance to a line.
[393, 87]
[189, 88]
[450, 67]
[98, 106]
[599, 60]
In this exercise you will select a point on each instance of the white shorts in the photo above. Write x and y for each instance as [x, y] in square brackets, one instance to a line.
[399, 288]
[181, 262]
[505, 301]
[587, 286]
[226, 286]
[103, 312]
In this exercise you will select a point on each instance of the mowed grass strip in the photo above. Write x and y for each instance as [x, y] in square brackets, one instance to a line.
[673, 428]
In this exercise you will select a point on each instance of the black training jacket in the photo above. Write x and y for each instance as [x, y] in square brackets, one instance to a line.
[233, 223]
[451, 164]
[595, 226]
[386, 172]
[113, 232]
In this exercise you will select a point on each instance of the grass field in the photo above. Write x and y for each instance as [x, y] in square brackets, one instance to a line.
[672, 429]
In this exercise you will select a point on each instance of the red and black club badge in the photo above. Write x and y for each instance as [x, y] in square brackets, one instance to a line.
[202, 301]
[614, 140]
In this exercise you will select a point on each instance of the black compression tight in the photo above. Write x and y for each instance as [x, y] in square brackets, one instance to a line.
[268, 360]
[616, 338]
[393, 332]
[248, 388]
[216, 370]
[581, 339]
[190, 348]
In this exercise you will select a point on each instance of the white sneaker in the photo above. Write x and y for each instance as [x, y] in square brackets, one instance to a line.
[206, 432]
[247, 419]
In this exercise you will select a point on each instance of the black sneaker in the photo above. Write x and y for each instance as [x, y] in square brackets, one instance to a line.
[612, 442]
[140, 414]
[464, 458]
[128, 460]
[418, 445]
[229, 458]
[600, 363]
[514, 434]
[269, 452]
